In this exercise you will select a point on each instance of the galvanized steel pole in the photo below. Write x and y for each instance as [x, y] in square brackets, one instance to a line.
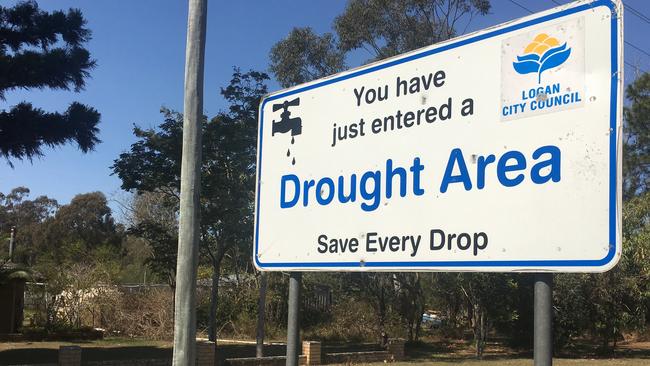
[293, 323]
[261, 311]
[188, 231]
[543, 344]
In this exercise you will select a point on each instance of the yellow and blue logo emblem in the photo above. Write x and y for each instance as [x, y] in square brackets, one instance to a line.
[543, 53]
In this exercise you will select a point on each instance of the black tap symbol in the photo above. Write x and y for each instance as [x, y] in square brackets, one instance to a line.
[286, 124]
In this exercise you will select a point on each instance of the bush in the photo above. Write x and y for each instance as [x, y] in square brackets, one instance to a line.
[147, 312]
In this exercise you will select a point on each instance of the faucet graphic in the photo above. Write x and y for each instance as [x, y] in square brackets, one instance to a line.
[286, 124]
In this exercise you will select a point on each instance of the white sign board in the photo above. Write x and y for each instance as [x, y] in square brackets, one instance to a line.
[496, 151]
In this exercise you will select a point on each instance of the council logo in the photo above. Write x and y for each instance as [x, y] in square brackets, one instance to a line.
[543, 53]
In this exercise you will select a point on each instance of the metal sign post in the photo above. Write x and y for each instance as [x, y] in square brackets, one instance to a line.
[543, 332]
[293, 322]
[261, 312]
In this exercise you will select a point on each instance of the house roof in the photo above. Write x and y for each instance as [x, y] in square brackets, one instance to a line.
[14, 271]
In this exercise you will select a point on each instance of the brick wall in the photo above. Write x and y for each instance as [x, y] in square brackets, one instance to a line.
[312, 352]
[71, 356]
[356, 357]
[140, 362]
[205, 352]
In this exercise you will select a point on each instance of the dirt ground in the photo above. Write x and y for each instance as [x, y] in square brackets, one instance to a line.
[529, 362]
[442, 353]
[459, 353]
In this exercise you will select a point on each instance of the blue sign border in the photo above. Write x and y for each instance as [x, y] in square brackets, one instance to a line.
[451, 264]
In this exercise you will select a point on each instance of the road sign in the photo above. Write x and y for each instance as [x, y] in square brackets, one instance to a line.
[495, 151]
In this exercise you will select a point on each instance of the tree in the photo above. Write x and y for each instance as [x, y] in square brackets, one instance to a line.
[636, 158]
[29, 218]
[164, 249]
[305, 56]
[605, 305]
[227, 173]
[479, 300]
[384, 28]
[88, 220]
[44, 50]
[387, 28]
[152, 217]
[82, 231]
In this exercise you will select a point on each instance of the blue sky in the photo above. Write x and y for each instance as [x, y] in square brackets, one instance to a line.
[139, 46]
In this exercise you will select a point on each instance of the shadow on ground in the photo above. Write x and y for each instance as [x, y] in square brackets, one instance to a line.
[458, 351]
[639, 350]
[36, 355]
[445, 351]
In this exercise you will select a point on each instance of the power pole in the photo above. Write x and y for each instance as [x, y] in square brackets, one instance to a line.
[188, 231]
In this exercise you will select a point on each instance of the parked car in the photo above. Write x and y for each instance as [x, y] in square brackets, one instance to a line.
[432, 320]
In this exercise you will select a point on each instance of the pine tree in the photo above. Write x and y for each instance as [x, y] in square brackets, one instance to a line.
[38, 50]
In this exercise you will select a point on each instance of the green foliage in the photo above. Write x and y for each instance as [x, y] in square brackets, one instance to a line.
[227, 180]
[164, 249]
[478, 301]
[134, 267]
[153, 236]
[636, 158]
[26, 129]
[153, 164]
[607, 304]
[28, 218]
[87, 219]
[305, 56]
[387, 28]
[44, 50]
[384, 28]
[227, 176]
[49, 235]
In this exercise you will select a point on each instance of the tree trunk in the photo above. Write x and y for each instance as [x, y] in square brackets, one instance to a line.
[214, 292]
[480, 330]
[470, 313]
[418, 326]
[483, 332]
[382, 317]
[261, 308]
